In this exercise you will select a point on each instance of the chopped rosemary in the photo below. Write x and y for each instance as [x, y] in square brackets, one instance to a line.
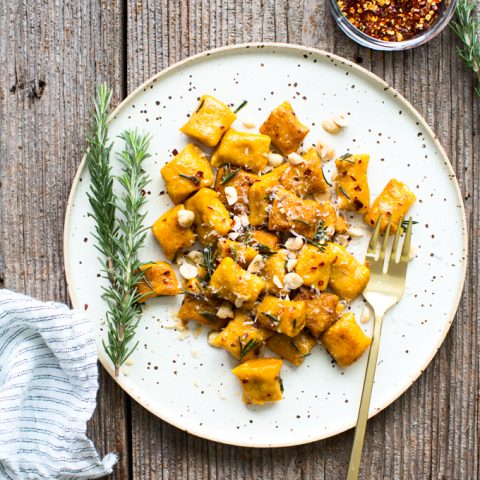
[273, 318]
[209, 261]
[280, 381]
[233, 251]
[294, 324]
[240, 106]
[248, 347]
[229, 174]
[264, 250]
[300, 220]
[197, 296]
[325, 178]
[305, 355]
[343, 191]
[345, 157]
[294, 345]
[211, 317]
[192, 178]
[320, 238]
[200, 106]
[405, 224]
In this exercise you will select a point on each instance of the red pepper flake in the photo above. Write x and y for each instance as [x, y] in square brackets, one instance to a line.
[390, 20]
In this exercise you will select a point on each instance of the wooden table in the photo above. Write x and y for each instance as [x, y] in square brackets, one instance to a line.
[54, 52]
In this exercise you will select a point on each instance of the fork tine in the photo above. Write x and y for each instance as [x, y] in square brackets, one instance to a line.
[393, 255]
[406, 242]
[372, 246]
[383, 251]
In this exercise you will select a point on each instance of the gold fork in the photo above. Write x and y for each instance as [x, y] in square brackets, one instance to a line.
[384, 290]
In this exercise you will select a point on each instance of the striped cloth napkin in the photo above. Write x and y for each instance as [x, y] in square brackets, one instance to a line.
[48, 384]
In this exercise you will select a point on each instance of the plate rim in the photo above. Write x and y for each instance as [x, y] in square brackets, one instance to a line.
[397, 393]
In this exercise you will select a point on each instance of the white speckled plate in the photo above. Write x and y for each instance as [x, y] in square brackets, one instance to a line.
[189, 384]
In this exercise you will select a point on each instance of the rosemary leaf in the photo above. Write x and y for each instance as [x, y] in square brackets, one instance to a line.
[264, 250]
[192, 178]
[325, 178]
[343, 191]
[273, 318]
[211, 317]
[249, 346]
[229, 174]
[345, 158]
[240, 106]
[294, 345]
[209, 261]
[405, 224]
[300, 220]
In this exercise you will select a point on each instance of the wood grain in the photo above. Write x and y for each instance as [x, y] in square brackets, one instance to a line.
[430, 432]
[53, 53]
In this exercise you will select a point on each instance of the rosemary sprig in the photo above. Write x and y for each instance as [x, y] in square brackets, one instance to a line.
[240, 106]
[249, 346]
[122, 297]
[101, 190]
[467, 29]
[119, 231]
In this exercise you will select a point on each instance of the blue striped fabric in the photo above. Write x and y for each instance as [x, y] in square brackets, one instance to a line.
[48, 385]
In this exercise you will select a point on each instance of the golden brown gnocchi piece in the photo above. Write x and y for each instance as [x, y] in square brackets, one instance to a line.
[186, 173]
[394, 201]
[160, 280]
[231, 282]
[241, 337]
[291, 349]
[345, 340]
[284, 128]
[260, 380]
[348, 277]
[211, 217]
[244, 150]
[170, 235]
[209, 121]
[283, 316]
[351, 183]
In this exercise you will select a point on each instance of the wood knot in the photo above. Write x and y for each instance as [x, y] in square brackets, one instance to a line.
[33, 88]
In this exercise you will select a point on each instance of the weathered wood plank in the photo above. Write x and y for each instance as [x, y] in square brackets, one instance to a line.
[433, 430]
[53, 53]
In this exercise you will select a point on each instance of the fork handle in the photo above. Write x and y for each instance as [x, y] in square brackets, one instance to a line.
[356, 455]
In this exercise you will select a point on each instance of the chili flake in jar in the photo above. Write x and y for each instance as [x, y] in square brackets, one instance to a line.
[390, 20]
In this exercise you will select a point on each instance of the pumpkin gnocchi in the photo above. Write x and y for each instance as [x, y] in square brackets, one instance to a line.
[273, 270]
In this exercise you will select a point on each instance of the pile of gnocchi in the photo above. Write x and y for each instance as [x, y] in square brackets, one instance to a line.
[272, 272]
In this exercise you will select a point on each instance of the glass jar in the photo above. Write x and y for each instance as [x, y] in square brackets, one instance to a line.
[443, 16]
